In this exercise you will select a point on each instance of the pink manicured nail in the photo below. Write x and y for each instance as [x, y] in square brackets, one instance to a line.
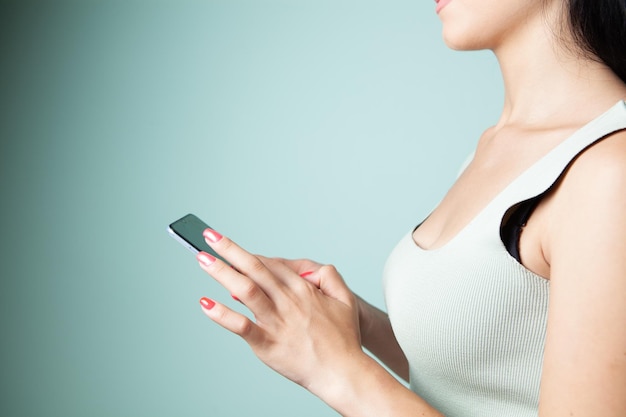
[306, 274]
[207, 303]
[205, 258]
[235, 298]
[211, 235]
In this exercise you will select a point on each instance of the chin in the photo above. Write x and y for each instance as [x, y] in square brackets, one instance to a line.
[465, 40]
[463, 44]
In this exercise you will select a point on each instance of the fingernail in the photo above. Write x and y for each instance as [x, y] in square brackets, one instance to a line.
[207, 303]
[205, 258]
[235, 298]
[212, 235]
[306, 274]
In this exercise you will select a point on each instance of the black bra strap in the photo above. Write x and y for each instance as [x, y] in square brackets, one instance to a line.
[512, 229]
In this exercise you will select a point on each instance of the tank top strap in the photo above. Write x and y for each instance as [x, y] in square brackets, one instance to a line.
[545, 172]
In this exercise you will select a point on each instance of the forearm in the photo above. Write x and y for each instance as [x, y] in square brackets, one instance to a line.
[377, 337]
[363, 388]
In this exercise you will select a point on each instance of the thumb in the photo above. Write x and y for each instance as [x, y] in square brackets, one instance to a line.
[300, 266]
[332, 284]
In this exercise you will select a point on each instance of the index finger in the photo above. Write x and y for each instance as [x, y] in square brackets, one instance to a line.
[306, 268]
[242, 260]
[301, 266]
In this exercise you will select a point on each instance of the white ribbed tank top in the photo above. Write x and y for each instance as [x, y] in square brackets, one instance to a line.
[472, 320]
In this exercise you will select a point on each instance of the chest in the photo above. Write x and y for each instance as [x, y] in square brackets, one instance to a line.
[493, 168]
[470, 320]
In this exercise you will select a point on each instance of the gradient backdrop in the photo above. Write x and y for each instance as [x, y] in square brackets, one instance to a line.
[320, 129]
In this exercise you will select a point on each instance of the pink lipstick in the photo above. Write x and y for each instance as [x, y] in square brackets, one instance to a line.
[441, 4]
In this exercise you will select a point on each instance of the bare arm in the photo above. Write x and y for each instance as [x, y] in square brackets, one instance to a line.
[585, 354]
[377, 336]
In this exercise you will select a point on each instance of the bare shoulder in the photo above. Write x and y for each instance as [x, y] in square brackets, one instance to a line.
[598, 171]
[607, 154]
[590, 199]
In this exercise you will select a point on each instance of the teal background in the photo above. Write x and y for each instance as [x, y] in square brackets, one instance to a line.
[319, 129]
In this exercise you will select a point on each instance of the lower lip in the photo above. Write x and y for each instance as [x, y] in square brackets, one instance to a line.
[441, 4]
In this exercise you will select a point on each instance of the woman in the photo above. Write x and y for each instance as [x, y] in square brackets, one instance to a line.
[510, 298]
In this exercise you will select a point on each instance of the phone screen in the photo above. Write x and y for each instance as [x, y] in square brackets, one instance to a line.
[188, 231]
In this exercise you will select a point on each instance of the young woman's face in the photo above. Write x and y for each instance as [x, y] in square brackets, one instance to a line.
[487, 24]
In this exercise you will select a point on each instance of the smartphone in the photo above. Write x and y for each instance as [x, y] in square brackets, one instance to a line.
[188, 231]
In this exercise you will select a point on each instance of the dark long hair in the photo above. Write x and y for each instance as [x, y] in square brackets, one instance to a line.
[599, 30]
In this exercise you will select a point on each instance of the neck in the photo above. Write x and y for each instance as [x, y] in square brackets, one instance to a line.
[540, 79]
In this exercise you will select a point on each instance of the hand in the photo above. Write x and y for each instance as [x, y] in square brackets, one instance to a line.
[370, 317]
[305, 332]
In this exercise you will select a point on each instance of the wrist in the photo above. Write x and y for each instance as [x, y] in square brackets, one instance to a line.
[361, 387]
[343, 385]
[365, 318]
